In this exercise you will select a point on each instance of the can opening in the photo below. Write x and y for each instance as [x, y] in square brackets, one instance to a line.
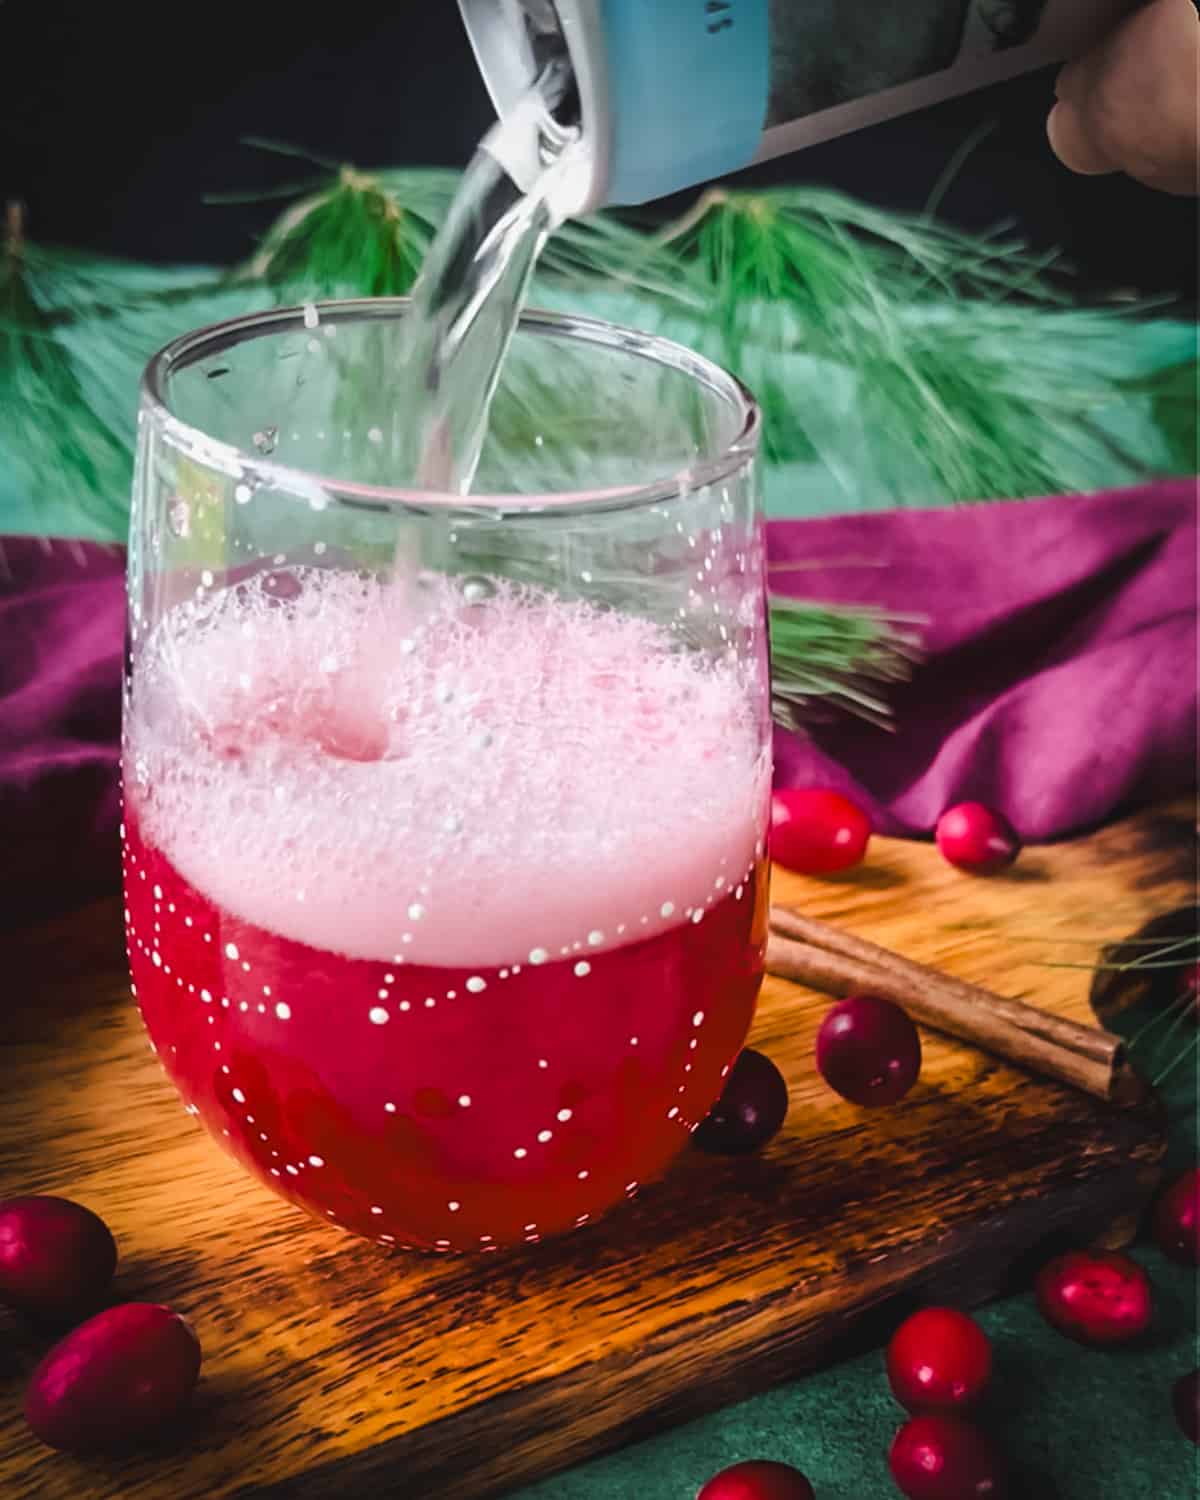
[552, 61]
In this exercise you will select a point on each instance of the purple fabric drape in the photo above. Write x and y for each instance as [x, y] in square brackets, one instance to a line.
[62, 631]
[1058, 682]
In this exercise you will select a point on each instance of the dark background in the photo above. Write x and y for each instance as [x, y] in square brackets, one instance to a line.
[116, 119]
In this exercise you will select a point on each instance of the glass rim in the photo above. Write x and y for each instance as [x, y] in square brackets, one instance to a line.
[233, 460]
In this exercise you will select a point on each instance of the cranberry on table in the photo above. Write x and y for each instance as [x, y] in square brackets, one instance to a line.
[939, 1360]
[1177, 1219]
[977, 838]
[758, 1479]
[817, 832]
[752, 1107]
[1096, 1297]
[868, 1051]
[114, 1379]
[56, 1257]
[944, 1458]
[1185, 1398]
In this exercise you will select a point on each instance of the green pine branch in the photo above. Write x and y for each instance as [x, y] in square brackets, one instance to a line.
[353, 234]
[971, 375]
[53, 439]
[824, 657]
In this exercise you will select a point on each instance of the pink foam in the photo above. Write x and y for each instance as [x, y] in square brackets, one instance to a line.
[392, 773]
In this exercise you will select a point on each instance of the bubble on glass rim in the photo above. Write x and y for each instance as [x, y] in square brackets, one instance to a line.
[477, 589]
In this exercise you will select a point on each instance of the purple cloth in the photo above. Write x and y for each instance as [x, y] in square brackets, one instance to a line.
[62, 625]
[1058, 683]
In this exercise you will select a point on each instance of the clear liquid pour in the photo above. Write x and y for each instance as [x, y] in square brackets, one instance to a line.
[473, 286]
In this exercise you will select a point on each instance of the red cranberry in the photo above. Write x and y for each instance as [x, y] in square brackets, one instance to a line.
[1185, 1398]
[1177, 1219]
[944, 1458]
[114, 1379]
[56, 1256]
[939, 1360]
[817, 832]
[752, 1107]
[868, 1051]
[977, 839]
[759, 1479]
[1096, 1297]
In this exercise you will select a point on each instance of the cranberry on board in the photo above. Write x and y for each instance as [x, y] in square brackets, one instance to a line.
[868, 1051]
[1177, 1219]
[945, 1458]
[976, 838]
[750, 1111]
[758, 1479]
[114, 1379]
[1095, 1297]
[939, 1360]
[56, 1256]
[817, 832]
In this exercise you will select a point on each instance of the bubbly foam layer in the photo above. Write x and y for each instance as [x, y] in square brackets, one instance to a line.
[442, 775]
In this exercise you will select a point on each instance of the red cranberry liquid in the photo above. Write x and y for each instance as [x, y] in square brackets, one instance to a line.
[450, 1108]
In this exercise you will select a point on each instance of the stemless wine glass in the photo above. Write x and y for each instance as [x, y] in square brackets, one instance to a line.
[445, 817]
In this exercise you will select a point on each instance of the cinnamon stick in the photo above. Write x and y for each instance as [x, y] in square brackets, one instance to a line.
[1089, 1041]
[1096, 1064]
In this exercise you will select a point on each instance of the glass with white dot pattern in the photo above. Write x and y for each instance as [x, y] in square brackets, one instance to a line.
[444, 815]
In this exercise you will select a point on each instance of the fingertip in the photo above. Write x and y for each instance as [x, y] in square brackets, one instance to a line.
[1071, 145]
[1067, 83]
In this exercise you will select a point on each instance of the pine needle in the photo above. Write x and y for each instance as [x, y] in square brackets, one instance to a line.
[358, 235]
[964, 373]
[1175, 398]
[603, 253]
[53, 440]
[823, 658]
[1138, 980]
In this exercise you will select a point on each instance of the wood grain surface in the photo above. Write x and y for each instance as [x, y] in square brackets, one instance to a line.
[335, 1369]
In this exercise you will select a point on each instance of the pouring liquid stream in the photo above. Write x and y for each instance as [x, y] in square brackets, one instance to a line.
[474, 283]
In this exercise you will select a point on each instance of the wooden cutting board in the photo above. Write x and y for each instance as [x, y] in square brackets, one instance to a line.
[335, 1369]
